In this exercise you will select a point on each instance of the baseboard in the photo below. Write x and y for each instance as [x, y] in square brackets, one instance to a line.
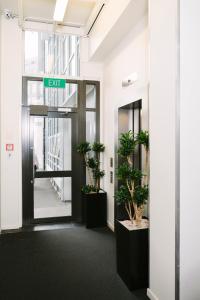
[10, 227]
[111, 226]
[151, 295]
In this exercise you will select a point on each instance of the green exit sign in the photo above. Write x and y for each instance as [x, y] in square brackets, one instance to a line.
[54, 83]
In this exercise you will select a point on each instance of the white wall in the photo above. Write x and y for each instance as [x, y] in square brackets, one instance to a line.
[130, 55]
[106, 21]
[10, 97]
[115, 21]
[0, 127]
[89, 69]
[189, 150]
[162, 103]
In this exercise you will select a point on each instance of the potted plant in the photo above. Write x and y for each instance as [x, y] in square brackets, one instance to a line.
[94, 198]
[132, 194]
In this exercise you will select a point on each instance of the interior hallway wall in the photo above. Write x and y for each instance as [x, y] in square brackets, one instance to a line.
[129, 56]
[189, 150]
[0, 126]
[163, 78]
[111, 13]
[10, 97]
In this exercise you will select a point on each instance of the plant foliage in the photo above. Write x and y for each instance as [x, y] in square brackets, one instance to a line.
[133, 190]
[126, 172]
[122, 195]
[98, 147]
[127, 144]
[87, 189]
[141, 194]
[143, 139]
[83, 148]
[91, 155]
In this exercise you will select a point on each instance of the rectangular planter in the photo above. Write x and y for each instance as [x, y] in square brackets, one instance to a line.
[95, 209]
[132, 256]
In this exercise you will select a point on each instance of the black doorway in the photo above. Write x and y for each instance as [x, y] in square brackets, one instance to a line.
[54, 122]
[129, 118]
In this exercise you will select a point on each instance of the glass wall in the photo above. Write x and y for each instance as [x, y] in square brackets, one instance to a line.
[52, 144]
[90, 113]
[38, 95]
[90, 126]
[53, 54]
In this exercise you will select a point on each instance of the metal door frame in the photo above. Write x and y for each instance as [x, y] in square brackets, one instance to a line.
[78, 116]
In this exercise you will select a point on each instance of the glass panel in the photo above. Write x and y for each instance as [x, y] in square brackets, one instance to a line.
[38, 142]
[31, 52]
[52, 144]
[52, 197]
[90, 126]
[51, 53]
[67, 97]
[38, 95]
[90, 96]
[35, 93]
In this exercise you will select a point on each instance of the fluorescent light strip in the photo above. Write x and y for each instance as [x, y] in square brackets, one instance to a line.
[60, 9]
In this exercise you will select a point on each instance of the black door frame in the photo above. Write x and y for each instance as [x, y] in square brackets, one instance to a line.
[78, 116]
[122, 122]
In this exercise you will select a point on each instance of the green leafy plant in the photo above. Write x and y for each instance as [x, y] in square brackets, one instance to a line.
[98, 147]
[142, 138]
[127, 145]
[91, 156]
[133, 190]
[84, 148]
[87, 189]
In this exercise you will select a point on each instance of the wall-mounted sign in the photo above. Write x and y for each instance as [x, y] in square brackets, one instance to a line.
[9, 147]
[54, 83]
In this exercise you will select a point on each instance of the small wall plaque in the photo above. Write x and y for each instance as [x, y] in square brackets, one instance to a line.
[111, 176]
[111, 162]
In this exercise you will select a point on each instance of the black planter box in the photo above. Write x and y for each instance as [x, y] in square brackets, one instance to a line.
[95, 209]
[132, 256]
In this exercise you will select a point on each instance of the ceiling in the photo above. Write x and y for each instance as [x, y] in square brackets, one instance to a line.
[78, 11]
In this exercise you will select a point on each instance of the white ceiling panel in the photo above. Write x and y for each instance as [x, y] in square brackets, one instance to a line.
[9, 4]
[39, 8]
[78, 11]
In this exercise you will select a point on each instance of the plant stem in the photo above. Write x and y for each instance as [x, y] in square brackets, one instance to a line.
[128, 212]
[88, 170]
[145, 179]
[129, 159]
[131, 214]
[147, 166]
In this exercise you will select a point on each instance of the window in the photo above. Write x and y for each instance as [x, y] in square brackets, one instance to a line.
[53, 54]
[91, 117]
[38, 95]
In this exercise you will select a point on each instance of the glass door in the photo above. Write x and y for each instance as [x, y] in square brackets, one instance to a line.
[54, 121]
[52, 165]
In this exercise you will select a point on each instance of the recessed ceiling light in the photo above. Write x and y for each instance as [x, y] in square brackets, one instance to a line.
[60, 9]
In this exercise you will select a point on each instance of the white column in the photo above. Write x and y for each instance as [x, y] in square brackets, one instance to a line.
[10, 97]
[189, 149]
[163, 18]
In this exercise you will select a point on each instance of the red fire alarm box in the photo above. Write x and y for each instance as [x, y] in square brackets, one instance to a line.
[9, 147]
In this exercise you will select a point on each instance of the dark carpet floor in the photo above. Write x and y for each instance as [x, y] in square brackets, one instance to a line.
[65, 264]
